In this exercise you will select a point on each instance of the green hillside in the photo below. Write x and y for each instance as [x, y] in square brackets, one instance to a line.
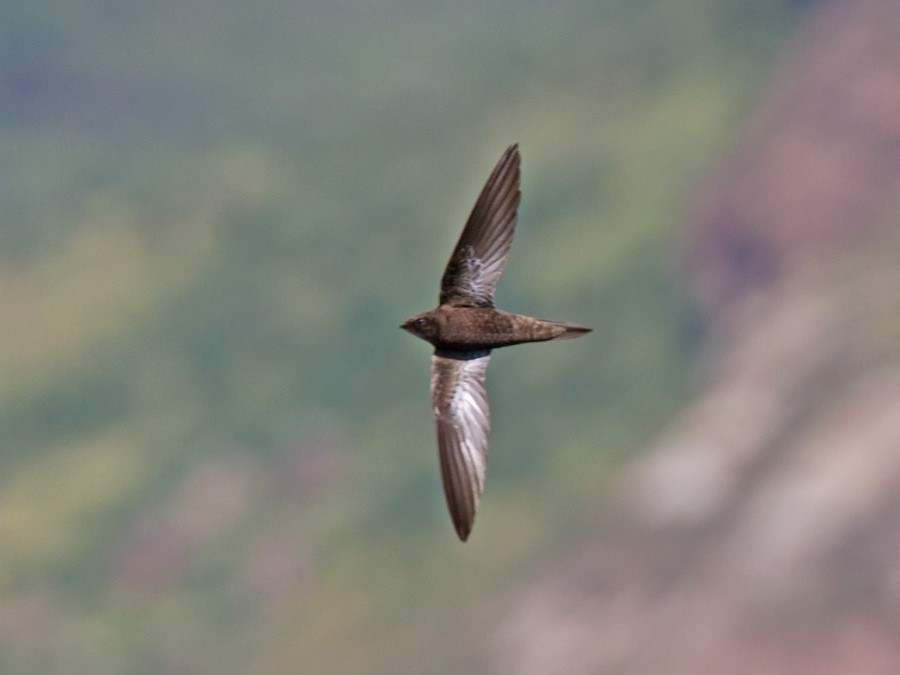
[218, 454]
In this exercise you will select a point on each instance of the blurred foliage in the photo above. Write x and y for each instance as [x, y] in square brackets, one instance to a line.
[218, 446]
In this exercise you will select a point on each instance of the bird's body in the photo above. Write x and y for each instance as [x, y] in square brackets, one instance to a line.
[460, 329]
[464, 328]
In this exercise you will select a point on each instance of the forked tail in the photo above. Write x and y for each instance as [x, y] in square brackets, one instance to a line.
[569, 331]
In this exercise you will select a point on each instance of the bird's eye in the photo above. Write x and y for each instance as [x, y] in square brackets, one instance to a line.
[420, 322]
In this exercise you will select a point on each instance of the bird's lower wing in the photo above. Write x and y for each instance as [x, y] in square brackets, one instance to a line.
[463, 421]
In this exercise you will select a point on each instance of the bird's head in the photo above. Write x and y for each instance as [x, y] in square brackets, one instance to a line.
[422, 325]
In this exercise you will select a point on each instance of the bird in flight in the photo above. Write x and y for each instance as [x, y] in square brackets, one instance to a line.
[464, 328]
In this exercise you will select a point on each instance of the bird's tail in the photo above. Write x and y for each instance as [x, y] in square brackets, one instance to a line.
[569, 331]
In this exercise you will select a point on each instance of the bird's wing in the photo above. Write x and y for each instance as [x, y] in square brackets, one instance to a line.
[480, 253]
[463, 421]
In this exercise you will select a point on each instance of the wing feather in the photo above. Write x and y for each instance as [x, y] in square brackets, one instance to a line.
[462, 420]
[480, 254]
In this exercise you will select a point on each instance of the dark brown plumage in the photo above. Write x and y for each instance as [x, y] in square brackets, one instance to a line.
[464, 328]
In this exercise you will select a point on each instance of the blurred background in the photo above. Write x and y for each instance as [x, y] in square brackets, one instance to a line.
[217, 447]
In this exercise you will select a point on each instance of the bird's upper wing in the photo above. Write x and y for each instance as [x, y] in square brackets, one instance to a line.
[463, 422]
[480, 253]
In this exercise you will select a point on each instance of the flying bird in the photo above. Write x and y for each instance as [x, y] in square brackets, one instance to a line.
[464, 328]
